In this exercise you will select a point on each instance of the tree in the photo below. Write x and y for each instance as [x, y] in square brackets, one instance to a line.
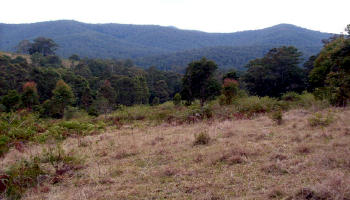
[23, 46]
[44, 46]
[108, 92]
[231, 75]
[73, 58]
[276, 73]
[160, 91]
[198, 81]
[46, 80]
[131, 90]
[11, 101]
[30, 95]
[62, 97]
[331, 73]
[347, 29]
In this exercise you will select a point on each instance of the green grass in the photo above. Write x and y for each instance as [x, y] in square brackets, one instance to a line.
[24, 126]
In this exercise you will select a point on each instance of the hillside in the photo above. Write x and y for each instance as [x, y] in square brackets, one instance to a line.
[148, 43]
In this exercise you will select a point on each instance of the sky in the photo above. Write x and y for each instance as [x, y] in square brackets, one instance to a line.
[205, 15]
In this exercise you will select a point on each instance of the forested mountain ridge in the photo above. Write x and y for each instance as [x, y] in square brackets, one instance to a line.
[147, 43]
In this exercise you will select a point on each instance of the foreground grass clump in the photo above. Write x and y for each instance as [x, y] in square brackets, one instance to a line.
[202, 138]
[21, 176]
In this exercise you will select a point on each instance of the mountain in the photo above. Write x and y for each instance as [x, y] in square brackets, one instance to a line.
[161, 46]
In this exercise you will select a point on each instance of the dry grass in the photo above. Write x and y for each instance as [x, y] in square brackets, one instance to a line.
[246, 159]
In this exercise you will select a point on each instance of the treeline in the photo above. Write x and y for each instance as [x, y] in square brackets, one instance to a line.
[225, 56]
[96, 85]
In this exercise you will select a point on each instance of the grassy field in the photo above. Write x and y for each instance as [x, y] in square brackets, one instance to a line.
[143, 155]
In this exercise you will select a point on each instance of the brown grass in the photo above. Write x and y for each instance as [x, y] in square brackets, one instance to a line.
[246, 159]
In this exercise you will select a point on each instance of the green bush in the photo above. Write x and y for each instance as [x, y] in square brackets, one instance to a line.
[321, 120]
[177, 99]
[290, 96]
[222, 100]
[21, 176]
[276, 116]
[4, 144]
[254, 104]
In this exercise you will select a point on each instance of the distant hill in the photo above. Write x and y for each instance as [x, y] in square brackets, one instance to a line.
[161, 46]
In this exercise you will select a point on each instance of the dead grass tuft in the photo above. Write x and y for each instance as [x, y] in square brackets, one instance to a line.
[275, 168]
[202, 138]
[335, 187]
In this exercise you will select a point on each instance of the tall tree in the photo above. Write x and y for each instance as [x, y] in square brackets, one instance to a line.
[276, 73]
[44, 46]
[62, 97]
[198, 82]
[23, 46]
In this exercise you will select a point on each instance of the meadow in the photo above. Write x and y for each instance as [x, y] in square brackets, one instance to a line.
[256, 148]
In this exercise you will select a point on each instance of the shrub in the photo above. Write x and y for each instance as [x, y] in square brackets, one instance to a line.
[254, 104]
[4, 144]
[230, 89]
[155, 101]
[177, 99]
[92, 111]
[21, 176]
[222, 100]
[202, 138]
[11, 101]
[276, 116]
[207, 111]
[320, 120]
[290, 96]
[2, 108]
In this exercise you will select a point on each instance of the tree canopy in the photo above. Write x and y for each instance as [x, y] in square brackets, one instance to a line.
[276, 73]
[198, 81]
[331, 73]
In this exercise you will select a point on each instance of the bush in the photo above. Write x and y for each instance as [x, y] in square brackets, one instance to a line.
[230, 90]
[2, 108]
[202, 138]
[155, 101]
[177, 99]
[290, 96]
[222, 100]
[4, 144]
[276, 116]
[320, 120]
[254, 104]
[17, 126]
[21, 176]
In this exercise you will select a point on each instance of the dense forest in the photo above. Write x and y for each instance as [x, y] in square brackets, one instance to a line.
[163, 47]
[96, 85]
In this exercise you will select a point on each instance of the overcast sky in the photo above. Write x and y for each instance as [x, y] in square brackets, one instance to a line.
[205, 15]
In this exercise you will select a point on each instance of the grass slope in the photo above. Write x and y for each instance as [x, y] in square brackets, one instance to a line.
[245, 159]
